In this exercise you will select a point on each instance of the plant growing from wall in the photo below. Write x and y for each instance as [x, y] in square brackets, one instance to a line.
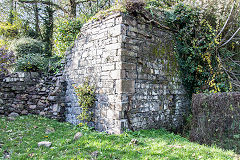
[86, 99]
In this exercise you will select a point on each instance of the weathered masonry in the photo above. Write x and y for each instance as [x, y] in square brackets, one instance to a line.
[24, 93]
[132, 65]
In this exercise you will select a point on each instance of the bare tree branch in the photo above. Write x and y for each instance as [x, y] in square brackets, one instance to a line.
[43, 2]
[226, 20]
[233, 75]
[231, 38]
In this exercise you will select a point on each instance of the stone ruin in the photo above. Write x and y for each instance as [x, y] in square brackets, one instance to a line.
[132, 64]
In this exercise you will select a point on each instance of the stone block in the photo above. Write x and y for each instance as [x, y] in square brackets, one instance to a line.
[116, 74]
[55, 108]
[1, 101]
[33, 107]
[113, 46]
[21, 74]
[115, 31]
[108, 67]
[125, 86]
[129, 66]
[18, 88]
[24, 112]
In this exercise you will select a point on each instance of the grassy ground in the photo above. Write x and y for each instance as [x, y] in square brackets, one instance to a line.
[19, 139]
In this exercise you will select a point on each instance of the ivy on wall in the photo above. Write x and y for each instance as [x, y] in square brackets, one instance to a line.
[196, 51]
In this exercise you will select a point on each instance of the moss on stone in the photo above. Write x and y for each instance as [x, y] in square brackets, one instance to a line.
[104, 13]
[165, 53]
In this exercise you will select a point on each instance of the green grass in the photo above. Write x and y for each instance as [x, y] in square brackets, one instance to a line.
[19, 138]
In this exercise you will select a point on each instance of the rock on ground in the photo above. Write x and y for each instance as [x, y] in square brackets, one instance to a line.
[44, 143]
[49, 130]
[77, 135]
[13, 114]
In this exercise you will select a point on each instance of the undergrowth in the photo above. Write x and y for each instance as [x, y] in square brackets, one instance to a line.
[19, 139]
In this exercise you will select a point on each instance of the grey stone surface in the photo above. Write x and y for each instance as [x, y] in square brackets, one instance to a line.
[77, 136]
[49, 130]
[133, 67]
[45, 144]
[13, 114]
[26, 93]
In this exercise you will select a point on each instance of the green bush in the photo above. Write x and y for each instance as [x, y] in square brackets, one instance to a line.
[32, 62]
[24, 46]
[55, 64]
[86, 99]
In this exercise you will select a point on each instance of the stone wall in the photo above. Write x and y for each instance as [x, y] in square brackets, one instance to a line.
[132, 65]
[31, 93]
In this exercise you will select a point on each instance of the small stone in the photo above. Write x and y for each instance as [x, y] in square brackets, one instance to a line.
[55, 108]
[43, 89]
[32, 106]
[43, 98]
[40, 103]
[24, 112]
[77, 136]
[13, 114]
[49, 130]
[44, 143]
[42, 113]
[94, 154]
[133, 142]
[11, 118]
[51, 98]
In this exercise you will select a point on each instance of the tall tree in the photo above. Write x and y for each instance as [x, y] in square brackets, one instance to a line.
[11, 16]
[48, 32]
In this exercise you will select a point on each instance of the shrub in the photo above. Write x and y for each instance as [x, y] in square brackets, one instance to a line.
[24, 46]
[216, 119]
[133, 6]
[6, 60]
[31, 62]
[86, 99]
[55, 64]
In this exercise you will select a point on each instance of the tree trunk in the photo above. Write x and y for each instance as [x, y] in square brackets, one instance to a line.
[73, 8]
[48, 34]
[36, 14]
[90, 6]
[11, 16]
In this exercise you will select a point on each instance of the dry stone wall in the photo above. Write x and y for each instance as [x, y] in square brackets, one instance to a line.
[132, 65]
[25, 93]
